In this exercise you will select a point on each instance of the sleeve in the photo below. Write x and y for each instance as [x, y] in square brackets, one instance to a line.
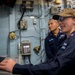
[48, 49]
[41, 69]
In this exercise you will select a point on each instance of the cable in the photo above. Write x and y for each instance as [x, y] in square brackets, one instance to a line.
[20, 19]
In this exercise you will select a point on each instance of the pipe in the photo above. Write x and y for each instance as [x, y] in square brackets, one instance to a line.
[42, 27]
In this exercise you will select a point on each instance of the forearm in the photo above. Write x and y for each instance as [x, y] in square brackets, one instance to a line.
[40, 69]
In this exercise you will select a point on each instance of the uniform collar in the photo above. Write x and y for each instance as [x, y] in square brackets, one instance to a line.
[73, 33]
[51, 34]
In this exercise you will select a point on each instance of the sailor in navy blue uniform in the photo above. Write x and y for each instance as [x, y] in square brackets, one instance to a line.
[54, 38]
[64, 55]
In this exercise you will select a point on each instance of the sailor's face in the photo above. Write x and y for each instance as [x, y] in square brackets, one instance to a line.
[66, 24]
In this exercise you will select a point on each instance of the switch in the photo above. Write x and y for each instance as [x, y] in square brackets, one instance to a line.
[23, 25]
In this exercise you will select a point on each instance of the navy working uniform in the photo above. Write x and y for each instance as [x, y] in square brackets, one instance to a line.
[52, 43]
[64, 55]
